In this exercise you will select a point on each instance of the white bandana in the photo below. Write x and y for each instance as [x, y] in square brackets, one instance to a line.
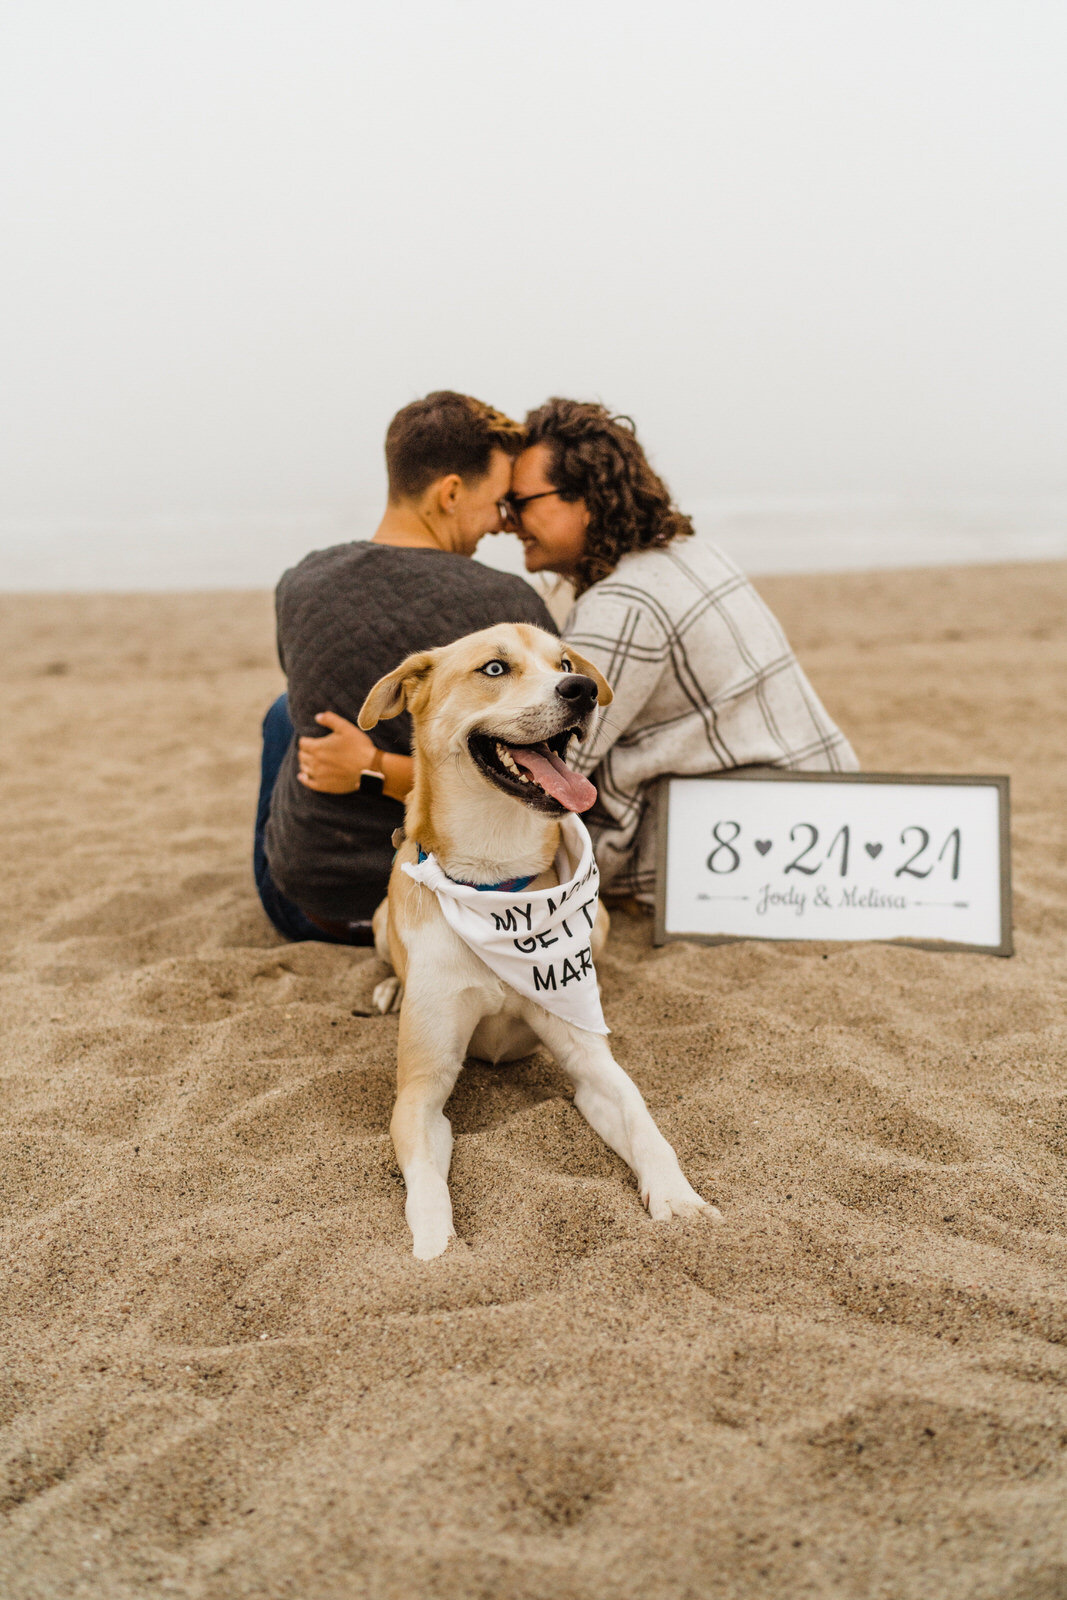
[537, 940]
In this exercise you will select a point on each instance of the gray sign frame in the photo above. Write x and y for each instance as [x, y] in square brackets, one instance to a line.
[663, 935]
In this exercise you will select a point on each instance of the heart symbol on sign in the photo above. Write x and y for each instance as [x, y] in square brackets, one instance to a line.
[763, 845]
[873, 850]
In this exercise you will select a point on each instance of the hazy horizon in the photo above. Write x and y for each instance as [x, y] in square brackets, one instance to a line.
[203, 551]
[815, 251]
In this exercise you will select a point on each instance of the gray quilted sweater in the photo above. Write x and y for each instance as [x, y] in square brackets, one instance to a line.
[346, 616]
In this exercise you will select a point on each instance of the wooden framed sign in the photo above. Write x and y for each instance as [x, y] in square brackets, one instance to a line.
[759, 853]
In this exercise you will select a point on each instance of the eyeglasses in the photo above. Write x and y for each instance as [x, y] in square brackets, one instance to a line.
[512, 506]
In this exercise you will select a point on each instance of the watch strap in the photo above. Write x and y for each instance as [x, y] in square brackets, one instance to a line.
[372, 778]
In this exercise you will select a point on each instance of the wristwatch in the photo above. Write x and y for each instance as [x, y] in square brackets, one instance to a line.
[372, 779]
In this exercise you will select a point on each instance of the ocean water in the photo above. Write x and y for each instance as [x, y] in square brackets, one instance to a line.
[233, 551]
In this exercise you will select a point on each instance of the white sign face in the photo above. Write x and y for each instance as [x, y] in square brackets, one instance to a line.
[825, 856]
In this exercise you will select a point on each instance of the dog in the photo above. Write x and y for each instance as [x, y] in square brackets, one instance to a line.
[492, 901]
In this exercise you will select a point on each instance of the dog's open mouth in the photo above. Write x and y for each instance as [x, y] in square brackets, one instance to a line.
[536, 773]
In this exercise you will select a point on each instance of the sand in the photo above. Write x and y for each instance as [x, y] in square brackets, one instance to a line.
[225, 1376]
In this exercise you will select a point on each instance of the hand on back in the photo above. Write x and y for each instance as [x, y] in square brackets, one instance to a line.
[332, 762]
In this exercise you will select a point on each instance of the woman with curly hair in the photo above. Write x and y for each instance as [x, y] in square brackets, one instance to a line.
[704, 678]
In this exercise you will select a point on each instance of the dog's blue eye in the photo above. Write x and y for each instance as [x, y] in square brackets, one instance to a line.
[494, 669]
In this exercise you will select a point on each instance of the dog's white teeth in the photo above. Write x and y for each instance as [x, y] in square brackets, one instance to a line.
[508, 761]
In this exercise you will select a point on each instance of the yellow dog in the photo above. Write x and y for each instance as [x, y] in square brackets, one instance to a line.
[492, 923]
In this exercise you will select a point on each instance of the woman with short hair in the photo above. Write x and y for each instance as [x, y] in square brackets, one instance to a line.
[347, 615]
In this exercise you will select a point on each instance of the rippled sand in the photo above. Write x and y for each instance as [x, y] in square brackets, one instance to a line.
[223, 1374]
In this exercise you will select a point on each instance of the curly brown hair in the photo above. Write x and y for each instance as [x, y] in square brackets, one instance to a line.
[594, 456]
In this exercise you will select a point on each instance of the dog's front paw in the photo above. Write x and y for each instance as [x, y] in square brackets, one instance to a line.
[429, 1213]
[431, 1240]
[676, 1197]
[388, 995]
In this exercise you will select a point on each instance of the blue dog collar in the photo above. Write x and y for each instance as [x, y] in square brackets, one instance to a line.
[507, 886]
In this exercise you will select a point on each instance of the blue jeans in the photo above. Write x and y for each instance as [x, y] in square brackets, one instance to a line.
[290, 921]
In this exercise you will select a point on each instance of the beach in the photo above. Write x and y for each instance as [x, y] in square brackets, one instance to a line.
[225, 1376]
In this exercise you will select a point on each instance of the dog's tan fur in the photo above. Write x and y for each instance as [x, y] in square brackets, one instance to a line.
[451, 1003]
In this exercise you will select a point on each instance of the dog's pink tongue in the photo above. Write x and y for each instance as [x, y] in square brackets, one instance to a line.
[555, 777]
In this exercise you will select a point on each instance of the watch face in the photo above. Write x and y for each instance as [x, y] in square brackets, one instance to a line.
[371, 783]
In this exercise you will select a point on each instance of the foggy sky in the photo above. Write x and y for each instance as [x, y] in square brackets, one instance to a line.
[812, 246]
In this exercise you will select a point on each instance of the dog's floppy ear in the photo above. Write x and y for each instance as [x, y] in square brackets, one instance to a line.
[604, 692]
[390, 694]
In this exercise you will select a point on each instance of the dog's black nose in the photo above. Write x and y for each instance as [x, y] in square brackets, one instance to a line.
[578, 691]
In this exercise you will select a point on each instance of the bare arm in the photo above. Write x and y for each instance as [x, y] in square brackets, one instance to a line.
[333, 762]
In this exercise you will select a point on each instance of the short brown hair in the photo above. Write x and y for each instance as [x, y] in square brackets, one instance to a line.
[594, 456]
[447, 432]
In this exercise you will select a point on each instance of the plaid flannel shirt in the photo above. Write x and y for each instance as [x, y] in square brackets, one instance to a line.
[704, 681]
